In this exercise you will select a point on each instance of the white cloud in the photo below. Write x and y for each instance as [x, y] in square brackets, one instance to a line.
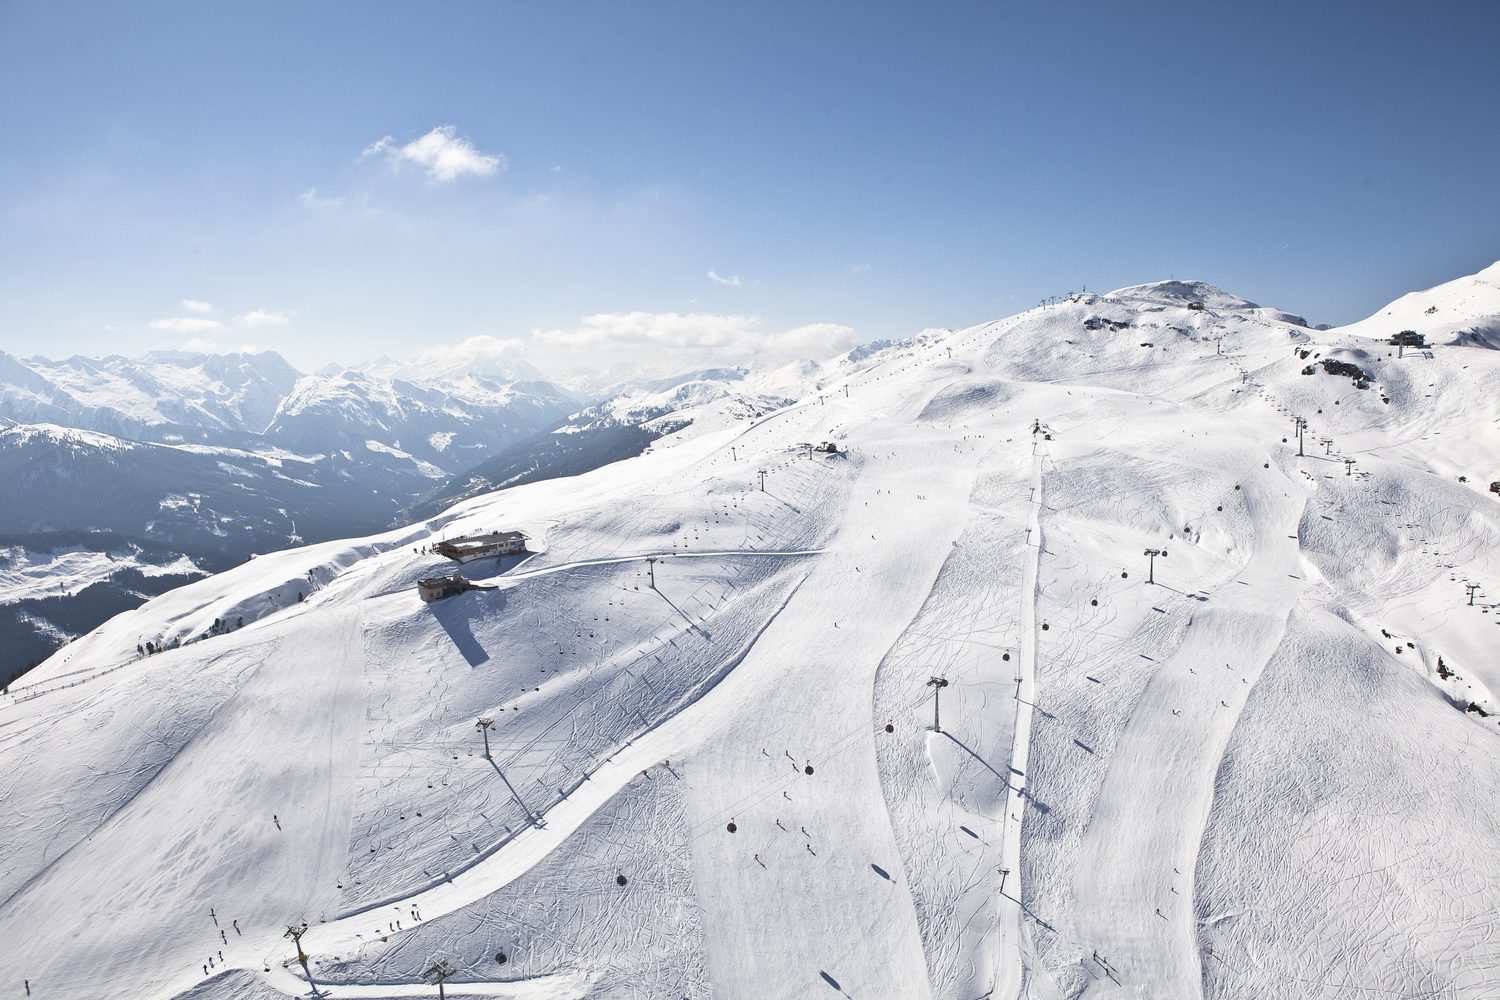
[200, 346]
[733, 280]
[694, 338]
[263, 317]
[474, 350]
[311, 199]
[197, 305]
[186, 324]
[443, 153]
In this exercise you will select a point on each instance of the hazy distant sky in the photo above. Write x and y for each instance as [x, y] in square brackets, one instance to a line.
[681, 182]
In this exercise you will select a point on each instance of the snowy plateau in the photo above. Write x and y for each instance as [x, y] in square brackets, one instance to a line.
[1263, 764]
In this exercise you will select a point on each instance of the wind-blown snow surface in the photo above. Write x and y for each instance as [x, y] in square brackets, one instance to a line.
[1252, 778]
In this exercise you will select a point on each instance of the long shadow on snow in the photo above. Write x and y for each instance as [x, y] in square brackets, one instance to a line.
[968, 750]
[692, 625]
[455, 613]
[531, 817]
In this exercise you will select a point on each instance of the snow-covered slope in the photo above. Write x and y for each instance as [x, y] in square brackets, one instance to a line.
[714, 767]
[1465, 310]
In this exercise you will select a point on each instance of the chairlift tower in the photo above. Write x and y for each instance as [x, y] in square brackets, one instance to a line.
[437, 974]
[937, 684]
[1151, 554]
[1348, 466]
[762, 474]
[483, 725]
[294, 934]
[1471, 587]
[651, 562]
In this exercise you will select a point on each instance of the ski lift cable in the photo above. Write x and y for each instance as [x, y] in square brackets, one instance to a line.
[826, 751]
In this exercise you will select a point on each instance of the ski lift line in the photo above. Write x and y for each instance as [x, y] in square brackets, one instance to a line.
[825, 751]
[498, 845]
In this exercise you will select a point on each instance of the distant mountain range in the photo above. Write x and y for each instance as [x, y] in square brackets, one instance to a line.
[196, 461]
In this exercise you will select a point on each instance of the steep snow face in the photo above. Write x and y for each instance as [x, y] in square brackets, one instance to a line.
[235, 399]
[1465, 310]
[1181, 293]
[27, 573]
[69, 439]
[128, 396]
[449, 424]
[917, 718]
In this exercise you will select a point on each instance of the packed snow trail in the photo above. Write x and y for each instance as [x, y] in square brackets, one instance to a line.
[1012, 946]
[288, 983]
[1166, 761]
[863, 935]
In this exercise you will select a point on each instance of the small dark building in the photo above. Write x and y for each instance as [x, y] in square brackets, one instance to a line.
[1409, 338]
[438, 587]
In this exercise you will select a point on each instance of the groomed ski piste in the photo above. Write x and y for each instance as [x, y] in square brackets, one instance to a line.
[1271, 772]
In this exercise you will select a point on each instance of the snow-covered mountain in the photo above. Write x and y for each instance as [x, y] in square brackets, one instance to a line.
[1074, 672]
[1463, 311]
[166, 395]
[447, 414]
[204, 459]
[636, 412]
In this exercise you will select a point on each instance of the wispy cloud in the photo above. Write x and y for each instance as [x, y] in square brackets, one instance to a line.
[442, 153]
[476, 352]
[311, 199]
[732, 280]
[197, 305]
[263, 317]
[694, 338]
[186, 324]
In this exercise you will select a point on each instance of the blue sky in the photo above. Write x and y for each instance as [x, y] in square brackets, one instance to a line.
[675, 183]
